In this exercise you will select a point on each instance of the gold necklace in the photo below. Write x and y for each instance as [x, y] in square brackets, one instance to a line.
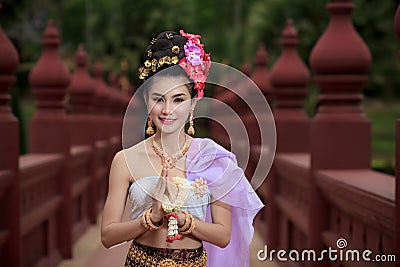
[170, 160]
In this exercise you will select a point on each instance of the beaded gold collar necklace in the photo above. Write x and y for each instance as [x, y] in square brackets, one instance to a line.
[170, 160]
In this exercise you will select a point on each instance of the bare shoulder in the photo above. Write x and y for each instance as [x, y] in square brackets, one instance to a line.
[129, 159]
[135, 151]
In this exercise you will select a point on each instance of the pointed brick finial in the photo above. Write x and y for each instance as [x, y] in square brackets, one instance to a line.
[98, 69]
[261, 56]
[260, 75]
[289, 31]
[341, 61]
[289, 75]
[102, 90]
[340, 49]
[289, 78]
[8, 65]
[82, 88]
[81, 56]
[116, 95]
[246, 68]
[8, 53]
[50, 77]
[113, 80]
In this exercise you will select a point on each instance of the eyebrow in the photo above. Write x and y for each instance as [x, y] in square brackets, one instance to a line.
[157, 94]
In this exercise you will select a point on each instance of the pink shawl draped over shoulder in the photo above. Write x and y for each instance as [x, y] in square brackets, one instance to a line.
[227, 183]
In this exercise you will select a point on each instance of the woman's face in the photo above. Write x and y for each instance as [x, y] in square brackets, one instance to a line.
[169, 103]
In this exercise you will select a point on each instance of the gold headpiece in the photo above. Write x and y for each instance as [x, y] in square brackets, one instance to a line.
[154, 64]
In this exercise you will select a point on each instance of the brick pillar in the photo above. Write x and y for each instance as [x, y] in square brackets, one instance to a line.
[82, 120]
[116, 106]
[102, 103]
[9, 152]
[103, 131]
[246, 68]
[81, 92]
[340, 132]
[260, 75]
[49, 127]
[289, 78]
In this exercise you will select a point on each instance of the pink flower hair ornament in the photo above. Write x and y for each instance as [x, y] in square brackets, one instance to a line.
[196, 62]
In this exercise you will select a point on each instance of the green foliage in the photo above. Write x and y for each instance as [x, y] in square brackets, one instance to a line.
[383, 117]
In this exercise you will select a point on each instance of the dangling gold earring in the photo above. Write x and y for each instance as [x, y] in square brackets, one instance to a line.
[191, 124]
[149, 130]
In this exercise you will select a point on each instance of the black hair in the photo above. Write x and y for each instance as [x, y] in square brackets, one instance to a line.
[161, 46]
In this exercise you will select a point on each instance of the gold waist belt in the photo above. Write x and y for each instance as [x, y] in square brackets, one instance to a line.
[140, 256]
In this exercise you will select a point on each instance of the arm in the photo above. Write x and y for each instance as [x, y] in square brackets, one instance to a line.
[113, 230]
[219, 231]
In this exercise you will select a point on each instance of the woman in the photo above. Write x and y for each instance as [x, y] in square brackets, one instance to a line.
[185, 192]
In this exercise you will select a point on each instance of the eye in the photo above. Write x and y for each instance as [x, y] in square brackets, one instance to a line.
[179, 100]
[157, 99]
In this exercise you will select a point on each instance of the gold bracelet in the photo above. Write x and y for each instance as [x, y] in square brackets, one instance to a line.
[186, 225]
[149, 224]
[144, 223]
[192, 226]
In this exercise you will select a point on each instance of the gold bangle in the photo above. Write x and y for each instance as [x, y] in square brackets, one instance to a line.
[149, 223]
[144, 223]
[186, 225]
[192, 226]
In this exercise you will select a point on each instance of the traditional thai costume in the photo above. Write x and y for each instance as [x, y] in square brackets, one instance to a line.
[225, 182]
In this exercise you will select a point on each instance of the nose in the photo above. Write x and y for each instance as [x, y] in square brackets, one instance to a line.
[167, 108]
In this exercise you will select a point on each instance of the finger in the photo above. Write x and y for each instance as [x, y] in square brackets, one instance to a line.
[163, 187]
[172, 190]
[161, 179]
[164, 173]
[158, 189]
[172, 193]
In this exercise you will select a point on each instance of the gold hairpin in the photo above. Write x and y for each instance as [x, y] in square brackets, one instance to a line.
[168, 35]
[154, 64]
[149, 53]
[175, 49]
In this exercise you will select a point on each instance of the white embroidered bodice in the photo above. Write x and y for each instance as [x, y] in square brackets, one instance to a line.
[141, 200]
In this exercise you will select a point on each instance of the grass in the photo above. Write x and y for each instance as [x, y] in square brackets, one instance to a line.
[383, 116]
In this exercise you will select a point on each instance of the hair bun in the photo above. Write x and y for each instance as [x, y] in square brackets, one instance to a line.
[161, 44]
[166, 35]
